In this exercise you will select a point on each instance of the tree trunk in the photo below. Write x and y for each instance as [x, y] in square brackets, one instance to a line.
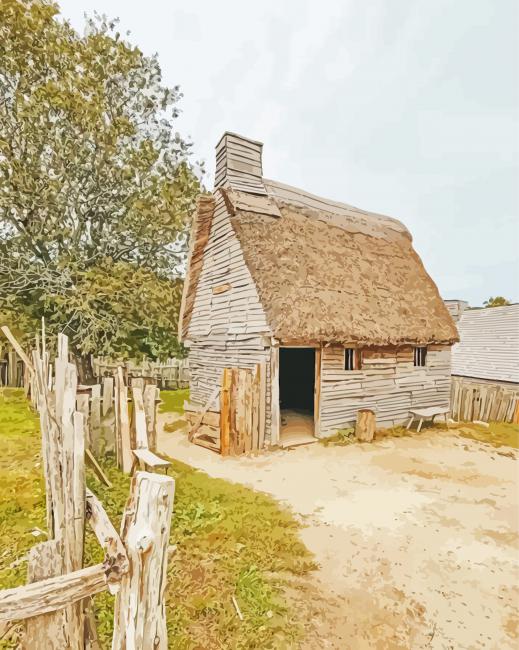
[84, 369]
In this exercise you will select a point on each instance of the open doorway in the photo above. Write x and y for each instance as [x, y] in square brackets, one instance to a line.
[296, 395]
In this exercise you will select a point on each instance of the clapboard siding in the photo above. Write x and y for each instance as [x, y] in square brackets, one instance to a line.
[227, 329]
[489, 344]
[388, 383]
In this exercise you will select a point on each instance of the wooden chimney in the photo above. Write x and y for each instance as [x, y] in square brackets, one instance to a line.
[238, 164]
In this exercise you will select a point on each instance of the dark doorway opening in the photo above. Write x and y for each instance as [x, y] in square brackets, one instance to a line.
[296, 395]
[296, 379]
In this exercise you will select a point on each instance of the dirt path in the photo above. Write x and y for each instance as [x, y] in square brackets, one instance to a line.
[417, 537]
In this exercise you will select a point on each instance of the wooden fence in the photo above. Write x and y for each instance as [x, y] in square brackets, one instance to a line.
[472, 400]
[239, 426]
[170, 374]
[56, 604]
[11, 369]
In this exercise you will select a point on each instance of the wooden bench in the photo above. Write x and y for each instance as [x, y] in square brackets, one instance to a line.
[144, 457]
[426, 414]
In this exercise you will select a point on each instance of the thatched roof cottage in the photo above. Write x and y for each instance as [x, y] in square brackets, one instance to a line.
[332, 300]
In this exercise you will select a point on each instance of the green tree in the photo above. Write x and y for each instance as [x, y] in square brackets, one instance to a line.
[498, 301]
[96, 187]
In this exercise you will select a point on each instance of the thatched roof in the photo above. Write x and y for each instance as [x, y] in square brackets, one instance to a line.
[328, 272]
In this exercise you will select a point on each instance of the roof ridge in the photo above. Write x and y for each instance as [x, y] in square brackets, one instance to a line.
[329, 205]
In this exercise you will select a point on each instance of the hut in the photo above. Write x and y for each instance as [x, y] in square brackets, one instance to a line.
[330, 302]
[485, 363]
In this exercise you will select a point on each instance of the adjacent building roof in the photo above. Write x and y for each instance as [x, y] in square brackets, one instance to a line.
[326, 272]
[489, 344]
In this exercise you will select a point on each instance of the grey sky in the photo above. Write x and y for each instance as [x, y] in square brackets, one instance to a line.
[405, 107]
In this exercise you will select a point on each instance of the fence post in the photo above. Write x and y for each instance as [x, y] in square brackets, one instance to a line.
[48, 631]
[225, 412]
[125, 458]
[150, 407]
[140, 608]
[108, 437]
[95, 419]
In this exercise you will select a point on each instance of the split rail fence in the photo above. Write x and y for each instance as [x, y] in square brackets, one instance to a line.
[56, 604]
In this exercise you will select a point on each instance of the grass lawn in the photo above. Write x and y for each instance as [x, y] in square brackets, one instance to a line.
[230, 541]
[497, 434]
[173, 400]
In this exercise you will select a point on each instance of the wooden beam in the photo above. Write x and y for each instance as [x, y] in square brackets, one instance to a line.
[225, 411]
[210, 402]
[262, 404]
[255, 389]
[275, 418]
[51, 594]
[317, 391]
[98, 470]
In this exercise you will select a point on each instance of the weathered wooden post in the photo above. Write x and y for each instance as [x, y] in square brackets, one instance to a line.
[47, 631]
[139, 419]
[365, 425]
[140, 608]
[125, 457]
[108, 417]
[225, 412]
[83, 406]
[95, 418]
[150, 407]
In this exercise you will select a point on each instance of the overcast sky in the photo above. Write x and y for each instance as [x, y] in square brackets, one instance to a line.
[404, 107]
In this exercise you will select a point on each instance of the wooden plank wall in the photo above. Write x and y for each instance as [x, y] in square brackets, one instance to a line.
[388, 383]
[228, 327]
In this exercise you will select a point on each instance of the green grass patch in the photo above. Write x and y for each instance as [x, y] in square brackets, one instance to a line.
[22, 490]
[230, 541]
[173, 400]
[498, 434]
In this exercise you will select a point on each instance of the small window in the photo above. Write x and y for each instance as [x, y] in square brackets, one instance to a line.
[352, 358]
[420, 355]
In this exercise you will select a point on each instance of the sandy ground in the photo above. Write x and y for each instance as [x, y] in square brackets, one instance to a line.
[416, 537]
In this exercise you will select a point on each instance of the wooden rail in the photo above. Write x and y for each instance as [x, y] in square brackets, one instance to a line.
[49, 595]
